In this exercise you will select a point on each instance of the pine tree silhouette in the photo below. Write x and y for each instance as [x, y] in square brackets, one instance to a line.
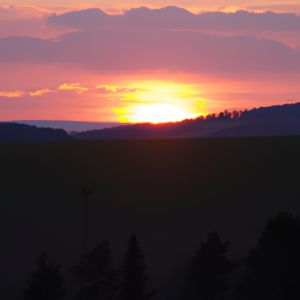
[95, 271]
[274, 266]
[134, 283]
[45, 283]
[210, 268]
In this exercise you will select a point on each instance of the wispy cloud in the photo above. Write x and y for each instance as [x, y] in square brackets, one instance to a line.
[20, 12]
[73, 86]
[40, 92]
[105, 90]
[14, 94]
[63, 87]
[119, 90]
[279, 8]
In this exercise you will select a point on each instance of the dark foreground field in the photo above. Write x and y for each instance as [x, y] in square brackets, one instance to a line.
[170, 193]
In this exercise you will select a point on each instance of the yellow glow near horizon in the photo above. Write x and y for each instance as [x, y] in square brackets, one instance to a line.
[109, 88]
[160, 102]
[158, 113]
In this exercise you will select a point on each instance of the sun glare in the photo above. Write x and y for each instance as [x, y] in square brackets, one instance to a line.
[159, 113]
[160, 102]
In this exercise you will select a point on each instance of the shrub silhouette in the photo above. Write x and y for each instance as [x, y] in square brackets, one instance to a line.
[95, 271]
[45, 283]
[133, 285]
[210, 267]
[274, 266]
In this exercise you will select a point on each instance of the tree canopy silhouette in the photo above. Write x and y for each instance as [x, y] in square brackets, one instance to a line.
[134, 283]
[274, 265]
[95, 272]
[210, 267]
[45, 283]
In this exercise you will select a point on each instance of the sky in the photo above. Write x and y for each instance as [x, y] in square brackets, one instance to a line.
[146, 61]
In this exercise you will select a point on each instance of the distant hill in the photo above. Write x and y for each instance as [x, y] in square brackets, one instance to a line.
[69, 126]
[267, 127]
[264, 121]
[12, 133]
[273, 112]
[185, 129]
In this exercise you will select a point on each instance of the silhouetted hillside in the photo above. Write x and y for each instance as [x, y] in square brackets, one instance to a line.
[261, 127]
[69, 126]
[12, 133]
[272, 112]
[265, 121]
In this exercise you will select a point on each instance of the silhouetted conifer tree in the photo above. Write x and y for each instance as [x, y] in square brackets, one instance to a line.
[274, 266]
[134, 283]
[95, 271]
[45, 283]
[210, 268]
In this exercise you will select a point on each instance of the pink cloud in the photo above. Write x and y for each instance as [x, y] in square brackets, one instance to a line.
[264, 24]
[156, 50]
[172, 17]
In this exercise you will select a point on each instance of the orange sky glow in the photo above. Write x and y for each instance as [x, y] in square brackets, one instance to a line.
[73, 91]
[133, 97]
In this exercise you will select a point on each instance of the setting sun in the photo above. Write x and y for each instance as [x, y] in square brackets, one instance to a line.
[159, 113]
[160, 102]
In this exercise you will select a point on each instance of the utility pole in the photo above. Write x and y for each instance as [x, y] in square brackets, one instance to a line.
[85, 193]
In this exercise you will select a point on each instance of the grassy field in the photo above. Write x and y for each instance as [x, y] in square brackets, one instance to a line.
[171, 193]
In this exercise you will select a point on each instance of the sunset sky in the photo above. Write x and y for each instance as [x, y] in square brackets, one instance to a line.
[139, 61]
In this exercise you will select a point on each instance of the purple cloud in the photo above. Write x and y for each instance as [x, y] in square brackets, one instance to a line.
[155, 50]
[177, 18]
